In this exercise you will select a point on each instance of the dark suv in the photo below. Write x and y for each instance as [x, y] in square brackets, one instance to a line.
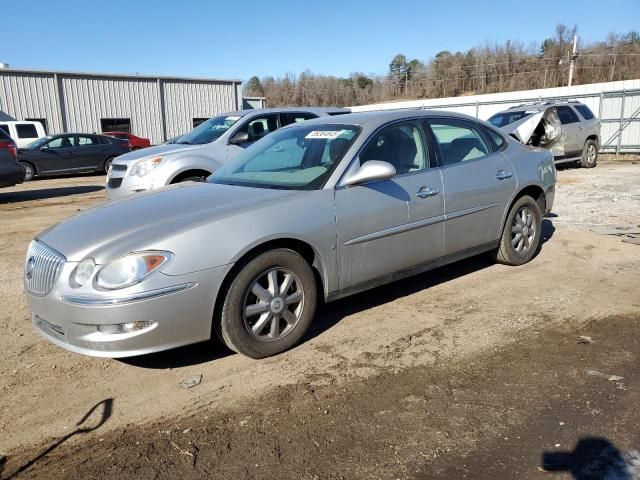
[569, 129]
[11, 172]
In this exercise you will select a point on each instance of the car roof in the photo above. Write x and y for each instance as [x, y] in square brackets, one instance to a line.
[378, 117]
[318, 110]
[539, 106]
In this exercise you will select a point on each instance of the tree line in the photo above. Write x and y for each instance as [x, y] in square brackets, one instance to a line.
[485, 69]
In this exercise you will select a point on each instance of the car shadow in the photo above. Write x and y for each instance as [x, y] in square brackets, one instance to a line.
[592, 458]
[195, 354]
[104, 414]
[46, 193]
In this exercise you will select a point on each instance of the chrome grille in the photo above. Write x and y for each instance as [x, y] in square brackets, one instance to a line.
[42, 268]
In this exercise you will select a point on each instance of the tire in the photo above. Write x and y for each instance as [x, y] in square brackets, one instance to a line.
[29, 171]
[257, 326]
[589, 157]
[514, 250]
[192, 179]
[107, 164]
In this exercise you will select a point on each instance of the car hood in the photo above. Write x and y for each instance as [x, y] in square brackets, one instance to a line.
[157, 150]
[524, 128]
[141, 221]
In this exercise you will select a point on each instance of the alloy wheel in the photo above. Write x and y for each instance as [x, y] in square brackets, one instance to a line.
[523, 230]
[273, 305]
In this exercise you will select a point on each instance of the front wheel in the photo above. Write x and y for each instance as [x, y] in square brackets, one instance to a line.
[269, 305]
[522, 232]
[589, 157]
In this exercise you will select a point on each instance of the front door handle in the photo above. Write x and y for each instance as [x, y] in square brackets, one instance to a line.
[502, 175]
[425, 192]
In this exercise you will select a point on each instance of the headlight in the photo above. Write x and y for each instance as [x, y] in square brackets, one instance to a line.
[83, 272]
[131, 269]
[145, 167]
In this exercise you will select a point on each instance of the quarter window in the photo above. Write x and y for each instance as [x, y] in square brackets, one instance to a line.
[26, 130]
[585, 111]
[567, 115]
[402, 145]
[5, 128]
[496, 138]
[458, 141]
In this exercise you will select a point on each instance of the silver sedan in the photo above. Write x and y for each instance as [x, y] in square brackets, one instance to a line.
[325, 208]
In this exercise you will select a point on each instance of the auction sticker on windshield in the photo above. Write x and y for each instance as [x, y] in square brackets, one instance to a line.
[326, 134]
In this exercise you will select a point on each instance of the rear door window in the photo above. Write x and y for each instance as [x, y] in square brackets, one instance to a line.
[567, 115]
[458, 140]
[26, 130]
[5, 128]
[259, 127]
[86, 141]
[297, 117]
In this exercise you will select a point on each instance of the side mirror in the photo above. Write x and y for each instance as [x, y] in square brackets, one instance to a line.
[370, 171]
[238, 138]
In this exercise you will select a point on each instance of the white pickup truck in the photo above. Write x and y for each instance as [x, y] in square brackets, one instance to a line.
[23, 132]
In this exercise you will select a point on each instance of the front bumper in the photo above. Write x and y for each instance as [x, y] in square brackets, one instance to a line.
[179, 310]
[119, 184]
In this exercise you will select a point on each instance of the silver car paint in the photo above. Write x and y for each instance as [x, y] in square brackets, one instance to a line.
[179, 158]
[361, 235]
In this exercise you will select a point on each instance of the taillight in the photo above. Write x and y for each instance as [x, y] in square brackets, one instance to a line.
[13, 150]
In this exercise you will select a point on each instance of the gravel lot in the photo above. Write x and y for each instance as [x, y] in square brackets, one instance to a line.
[474, 370]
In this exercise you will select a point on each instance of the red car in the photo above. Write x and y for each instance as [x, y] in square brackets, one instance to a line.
[134, 142]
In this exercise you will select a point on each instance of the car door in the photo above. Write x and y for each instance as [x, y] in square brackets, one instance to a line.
[389, 225]
[257, 128]
[478, 182]
[90, 153]
[55, 156]
[573, 142]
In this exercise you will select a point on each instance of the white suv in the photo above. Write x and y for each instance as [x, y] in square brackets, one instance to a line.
[23, 132]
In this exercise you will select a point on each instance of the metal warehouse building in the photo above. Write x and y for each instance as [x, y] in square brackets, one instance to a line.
[158, 108]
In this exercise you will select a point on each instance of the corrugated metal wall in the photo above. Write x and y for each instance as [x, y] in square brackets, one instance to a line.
[31, 96]
[186, 100]
[87, 98]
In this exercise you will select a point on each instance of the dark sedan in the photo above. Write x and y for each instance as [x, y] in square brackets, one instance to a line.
[70, 153]
[11, 172]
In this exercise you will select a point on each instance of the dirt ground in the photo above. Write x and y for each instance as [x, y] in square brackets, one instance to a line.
[475, 370]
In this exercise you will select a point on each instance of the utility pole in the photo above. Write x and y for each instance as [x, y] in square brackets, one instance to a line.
[574, 55]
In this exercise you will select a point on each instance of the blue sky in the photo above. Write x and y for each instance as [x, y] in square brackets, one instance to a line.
[239, 39]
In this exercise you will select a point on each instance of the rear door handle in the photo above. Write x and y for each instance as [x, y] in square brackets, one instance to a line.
[502, 175]
[425, 192]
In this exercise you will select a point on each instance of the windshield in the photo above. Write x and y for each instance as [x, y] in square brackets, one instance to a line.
[296, 158]
[209, 131]
[37, 143]
[502, 119]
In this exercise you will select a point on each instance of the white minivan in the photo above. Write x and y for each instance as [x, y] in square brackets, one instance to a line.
[23, 132]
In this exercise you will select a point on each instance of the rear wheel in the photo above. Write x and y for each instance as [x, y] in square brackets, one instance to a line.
[522, 232]
[107, 164]
[29, 171]
[589, 157]
[269, 305]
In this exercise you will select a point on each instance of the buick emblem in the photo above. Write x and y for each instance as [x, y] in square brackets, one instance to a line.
[31, 264]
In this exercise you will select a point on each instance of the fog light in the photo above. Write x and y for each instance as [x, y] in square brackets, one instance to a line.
[128, 327]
